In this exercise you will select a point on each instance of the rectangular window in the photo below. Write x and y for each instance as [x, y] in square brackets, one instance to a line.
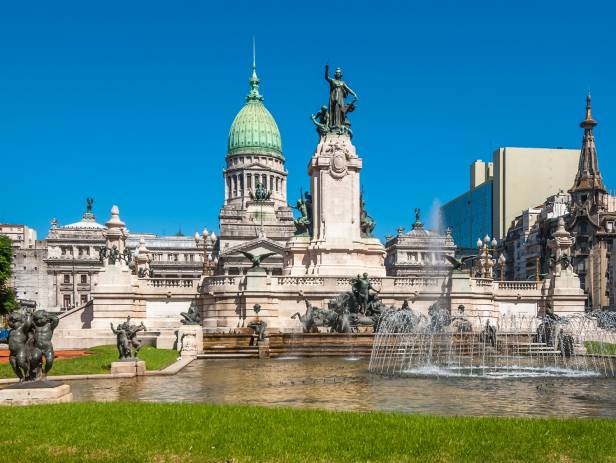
[67, 278]
[84, 298]
[66, 301]
[84, 279]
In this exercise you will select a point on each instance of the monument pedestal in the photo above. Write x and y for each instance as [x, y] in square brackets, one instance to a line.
[134, 367]
[38, 392]
[167, 339]
[264, 349]
[336, 246]
[565, 293]
[190, 340]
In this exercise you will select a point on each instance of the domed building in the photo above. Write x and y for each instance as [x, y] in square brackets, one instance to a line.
[419, 253]
[255, 217]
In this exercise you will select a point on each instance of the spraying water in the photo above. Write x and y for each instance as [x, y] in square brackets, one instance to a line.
[519, 345]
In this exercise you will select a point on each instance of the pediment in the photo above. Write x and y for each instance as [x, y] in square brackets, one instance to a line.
[257, 246]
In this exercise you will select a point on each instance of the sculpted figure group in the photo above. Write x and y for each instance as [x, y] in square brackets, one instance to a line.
[30, 343]
[127, 342]
[260, 193]
[346, 312]
[333, 117]
[303, 224]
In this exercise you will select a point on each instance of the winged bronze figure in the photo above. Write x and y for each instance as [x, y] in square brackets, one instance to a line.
[458, 263]
[256, 260]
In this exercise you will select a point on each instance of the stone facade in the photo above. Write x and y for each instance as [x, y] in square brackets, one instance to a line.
[60, 272]
[420, 252]
[23, 237]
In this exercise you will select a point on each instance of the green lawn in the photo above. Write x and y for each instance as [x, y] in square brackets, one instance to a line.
[155, 432]
[597, 347]
[100, 361]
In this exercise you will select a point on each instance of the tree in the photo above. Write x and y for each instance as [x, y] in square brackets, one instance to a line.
[8, 303]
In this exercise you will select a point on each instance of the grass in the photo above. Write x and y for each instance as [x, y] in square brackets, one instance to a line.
[100, 361]
[144, 432]
[598, 347]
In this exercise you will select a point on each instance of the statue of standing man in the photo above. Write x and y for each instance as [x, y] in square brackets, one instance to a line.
[338, 91]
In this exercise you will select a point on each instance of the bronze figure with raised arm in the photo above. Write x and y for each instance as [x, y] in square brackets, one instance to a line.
[338, 91]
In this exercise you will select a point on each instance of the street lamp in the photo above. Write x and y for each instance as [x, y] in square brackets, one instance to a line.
[485, 262]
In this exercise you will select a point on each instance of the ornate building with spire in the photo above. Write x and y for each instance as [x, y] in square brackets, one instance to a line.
[255, 216]
[589, 214]
[592, 218]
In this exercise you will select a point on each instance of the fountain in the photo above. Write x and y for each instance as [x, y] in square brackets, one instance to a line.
[517, 345]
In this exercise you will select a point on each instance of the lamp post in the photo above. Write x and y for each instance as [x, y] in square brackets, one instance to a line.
[501, 265]
[210, 262]
[485, 261]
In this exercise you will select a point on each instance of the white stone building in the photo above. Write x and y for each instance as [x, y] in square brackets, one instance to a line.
[21, 235]
[61, 271]
[420, 252]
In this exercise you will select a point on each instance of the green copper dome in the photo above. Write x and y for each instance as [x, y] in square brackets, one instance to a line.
[254, 130]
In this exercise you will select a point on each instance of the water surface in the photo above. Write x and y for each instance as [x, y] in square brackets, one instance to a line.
[345, 384]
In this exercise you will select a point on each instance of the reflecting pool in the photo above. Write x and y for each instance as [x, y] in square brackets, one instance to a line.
[346, 384]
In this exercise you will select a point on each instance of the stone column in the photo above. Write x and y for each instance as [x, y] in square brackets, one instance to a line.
[336, 246]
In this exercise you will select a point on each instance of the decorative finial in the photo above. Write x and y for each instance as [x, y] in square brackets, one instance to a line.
[88, 216]
[588, 121]
[253, 94]
[254, 57]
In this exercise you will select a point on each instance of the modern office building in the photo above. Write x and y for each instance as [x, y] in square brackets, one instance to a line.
[524, 177]
[469, 216]
[517, 179]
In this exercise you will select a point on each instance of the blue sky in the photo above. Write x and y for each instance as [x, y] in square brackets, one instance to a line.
[131, 102]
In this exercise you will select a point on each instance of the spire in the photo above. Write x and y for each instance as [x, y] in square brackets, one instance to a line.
[253, 94]
[588, 176]
[588, 122]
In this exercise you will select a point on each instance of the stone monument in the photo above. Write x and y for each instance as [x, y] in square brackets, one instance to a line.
[31, 356]
[334, 232]
[565, 293]
[190, 334]
[116, 290]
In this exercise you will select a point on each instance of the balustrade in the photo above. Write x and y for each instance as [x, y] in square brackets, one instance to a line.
[301, 281]
[519, 285]
[170, 283]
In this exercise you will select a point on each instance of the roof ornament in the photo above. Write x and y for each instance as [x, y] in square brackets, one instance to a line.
[418, 224]
[88, 216]
[588, 121]
[253, 94]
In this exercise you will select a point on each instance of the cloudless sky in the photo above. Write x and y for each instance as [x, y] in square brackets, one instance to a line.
[130, 102]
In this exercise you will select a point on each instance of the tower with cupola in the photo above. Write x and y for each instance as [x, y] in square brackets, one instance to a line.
[255, 216]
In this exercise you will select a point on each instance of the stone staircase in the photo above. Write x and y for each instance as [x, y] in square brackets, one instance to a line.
[220, 345]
